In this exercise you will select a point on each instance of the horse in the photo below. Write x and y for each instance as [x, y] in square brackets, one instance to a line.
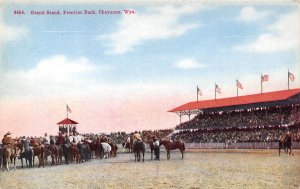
[38, 151]
[26, 153]
[75, 153]
[10, 153]
[151, 146]
[67, 152]
[54, 153]
[106, 149]
[285, 143]
[114, 148]
[172, 146]
[1, 155]
[84, 151]
[127, 146]
[60, 153]
[138, 148]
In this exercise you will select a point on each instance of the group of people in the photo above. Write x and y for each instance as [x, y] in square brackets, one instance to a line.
[250, 118]
[137, 137]
[238, 135]
[249, 125]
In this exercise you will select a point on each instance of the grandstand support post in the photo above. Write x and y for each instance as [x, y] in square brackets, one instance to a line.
[189, 115]
[180, 115]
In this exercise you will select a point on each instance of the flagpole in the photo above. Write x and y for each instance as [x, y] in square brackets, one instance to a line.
[288, 79]
[261, 89]
[237, 89]
[197, 92]
[67, 110]
[215, 91]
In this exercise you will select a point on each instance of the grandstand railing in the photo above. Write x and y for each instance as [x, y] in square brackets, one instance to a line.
[239, 145]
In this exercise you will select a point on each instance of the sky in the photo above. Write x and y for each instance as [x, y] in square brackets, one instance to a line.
[123, 72]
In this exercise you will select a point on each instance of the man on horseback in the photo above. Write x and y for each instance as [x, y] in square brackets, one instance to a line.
[10, 151]
[7, 139]
[138, 146]
[136, 137]
[46, 140]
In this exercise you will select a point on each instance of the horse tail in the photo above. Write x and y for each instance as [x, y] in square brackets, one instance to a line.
[183, 146]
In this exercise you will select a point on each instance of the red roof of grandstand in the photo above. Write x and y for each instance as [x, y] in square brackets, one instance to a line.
[67, 121]
[237, 101]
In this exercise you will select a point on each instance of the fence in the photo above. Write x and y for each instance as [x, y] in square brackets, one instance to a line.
[249, 145]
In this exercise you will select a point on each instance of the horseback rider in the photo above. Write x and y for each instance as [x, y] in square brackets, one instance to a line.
[46, 140]
[7, 139]
[35, 142]
[156, 147]
[52, 140]
[60, 139]
[136, 137]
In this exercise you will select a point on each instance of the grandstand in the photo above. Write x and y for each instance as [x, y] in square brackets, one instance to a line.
[253, 118]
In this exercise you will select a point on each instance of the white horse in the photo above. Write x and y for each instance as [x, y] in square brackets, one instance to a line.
[106, 149]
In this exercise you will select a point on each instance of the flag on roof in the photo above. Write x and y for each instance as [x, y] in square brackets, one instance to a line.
[218, 90]
[264, 78]
[291, 76]
[239, 84]
[199, 91]
[69, 109]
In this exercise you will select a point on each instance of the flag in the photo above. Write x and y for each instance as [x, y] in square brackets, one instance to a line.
[69, 109]
[218, 90]
[264, 78]
[238, 84]
[291, 76]
[199, 91]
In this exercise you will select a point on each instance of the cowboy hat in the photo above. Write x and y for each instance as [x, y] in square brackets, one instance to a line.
[8, 133]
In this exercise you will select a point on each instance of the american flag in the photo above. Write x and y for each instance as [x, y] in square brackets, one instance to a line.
[218, 90]
[238, 84]
[199, 91]
[264, 78]
[69, 109]
[291, 76]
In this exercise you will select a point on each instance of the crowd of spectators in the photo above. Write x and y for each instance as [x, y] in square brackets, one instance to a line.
[251, 125]
[234, 135]
[120, 137]
[279, 115]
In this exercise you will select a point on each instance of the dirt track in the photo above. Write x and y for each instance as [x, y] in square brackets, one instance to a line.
[205, 169]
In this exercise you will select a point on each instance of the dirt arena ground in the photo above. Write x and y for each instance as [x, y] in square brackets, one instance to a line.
[199, 169]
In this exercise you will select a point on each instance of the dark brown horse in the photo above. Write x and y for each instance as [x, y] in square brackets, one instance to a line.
[285, 143]
[150, 142]
[93, 148]
[169, 145]
[114, 148]
[138, 148]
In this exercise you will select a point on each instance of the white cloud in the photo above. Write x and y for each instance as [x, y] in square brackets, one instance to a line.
[188, 63]
[51, 76]
[250, 14]
[282, 35]
[10, 33]
[156, 23]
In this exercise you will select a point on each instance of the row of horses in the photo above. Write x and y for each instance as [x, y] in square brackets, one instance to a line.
[87, 150]
[71, 152]
[285, 143]
[139, 147]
